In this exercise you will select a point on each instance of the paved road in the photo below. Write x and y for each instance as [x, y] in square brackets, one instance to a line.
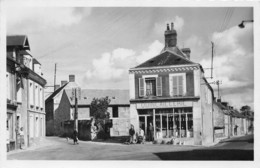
[59, 149]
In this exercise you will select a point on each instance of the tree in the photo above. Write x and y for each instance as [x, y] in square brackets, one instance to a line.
[98, 109]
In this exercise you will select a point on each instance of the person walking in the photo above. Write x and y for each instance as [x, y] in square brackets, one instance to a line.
[131, 133]
[75, 137]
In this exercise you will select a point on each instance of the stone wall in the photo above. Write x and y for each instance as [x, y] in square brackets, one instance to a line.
[62, 113]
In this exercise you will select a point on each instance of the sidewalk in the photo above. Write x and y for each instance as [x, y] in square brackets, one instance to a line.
[44, 142]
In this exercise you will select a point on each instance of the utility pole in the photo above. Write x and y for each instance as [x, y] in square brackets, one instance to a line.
[76, 111]
[54, 78]
[212, 54]
[218, 83]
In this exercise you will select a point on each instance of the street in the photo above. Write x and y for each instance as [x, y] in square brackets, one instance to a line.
[55, 148]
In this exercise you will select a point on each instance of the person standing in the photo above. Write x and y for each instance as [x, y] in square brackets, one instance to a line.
[93, 130]
[131, 133]
[141, 136]
[75, 137]
[150, 132]
[21, 138]
[235, 129]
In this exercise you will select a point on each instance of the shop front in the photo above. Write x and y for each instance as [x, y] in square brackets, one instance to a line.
[170, 119]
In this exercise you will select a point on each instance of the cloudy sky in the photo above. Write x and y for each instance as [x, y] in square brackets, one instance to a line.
[100, 44]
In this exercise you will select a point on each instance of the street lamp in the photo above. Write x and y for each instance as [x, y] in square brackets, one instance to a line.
[241, 25]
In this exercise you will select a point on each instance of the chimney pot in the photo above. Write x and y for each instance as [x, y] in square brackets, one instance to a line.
[168, 28]
[71, 78]
[172, 26]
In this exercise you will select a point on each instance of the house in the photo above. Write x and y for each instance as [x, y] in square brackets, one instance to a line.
[25, 94]
[53, 102]
[118, 109]
[171, 92]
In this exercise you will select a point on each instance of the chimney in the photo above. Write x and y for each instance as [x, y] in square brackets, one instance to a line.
[71, 78]
[219, 100]
[170, 36]
[224, 104]
[56, 87]
[186, 51]
[63, 82]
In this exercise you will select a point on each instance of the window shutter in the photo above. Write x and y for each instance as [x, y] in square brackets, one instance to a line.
[159, 86]
[174, 85]
[180, 85]
[141, 87]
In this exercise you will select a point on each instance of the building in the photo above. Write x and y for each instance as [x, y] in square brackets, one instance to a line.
[118, 109]
[25, 95]
[170, 92]
[53, 102]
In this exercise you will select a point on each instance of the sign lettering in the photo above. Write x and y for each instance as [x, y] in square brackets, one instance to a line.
[166, 104]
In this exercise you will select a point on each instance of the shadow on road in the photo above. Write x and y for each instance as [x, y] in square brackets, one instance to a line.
[208, 154]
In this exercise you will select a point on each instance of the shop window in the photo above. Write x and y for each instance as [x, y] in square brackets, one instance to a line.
[115, 111]
[177, 84]
[183, 119]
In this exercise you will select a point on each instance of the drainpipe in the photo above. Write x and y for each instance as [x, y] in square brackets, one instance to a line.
[28, 118]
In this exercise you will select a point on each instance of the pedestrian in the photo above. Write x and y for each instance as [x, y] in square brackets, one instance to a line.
[150, 132]
[21, 138]
[75, 137]
[131, 133]
[93, 130]
[141, 137]
[235, 129]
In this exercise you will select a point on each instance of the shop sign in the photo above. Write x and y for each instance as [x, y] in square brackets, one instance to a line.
[167, 104]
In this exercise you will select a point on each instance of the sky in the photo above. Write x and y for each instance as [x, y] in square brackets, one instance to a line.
[99, 45]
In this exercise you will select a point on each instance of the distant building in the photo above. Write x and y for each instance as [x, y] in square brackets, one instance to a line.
[53, 102]
[118, 109]
[171, 92]
[25, 95]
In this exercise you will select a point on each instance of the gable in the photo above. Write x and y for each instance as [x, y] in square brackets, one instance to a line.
[165, 59]
[18, 40]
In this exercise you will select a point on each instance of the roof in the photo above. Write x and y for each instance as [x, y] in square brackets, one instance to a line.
[18, 40]
[23, 52]
[55, 93]
[117, 97]
[169, 56]
[35, 61]
[222, 107]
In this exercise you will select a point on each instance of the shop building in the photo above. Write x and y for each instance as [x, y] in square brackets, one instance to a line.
[170, 92]
[25, 94]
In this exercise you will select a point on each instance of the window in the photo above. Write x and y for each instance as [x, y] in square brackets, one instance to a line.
[183, 121]
[177, 84]
[150, 85]
[115, 111]
[36, 95]
[31, 95]
[9, 126]
[8, 91]
[40, 97]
